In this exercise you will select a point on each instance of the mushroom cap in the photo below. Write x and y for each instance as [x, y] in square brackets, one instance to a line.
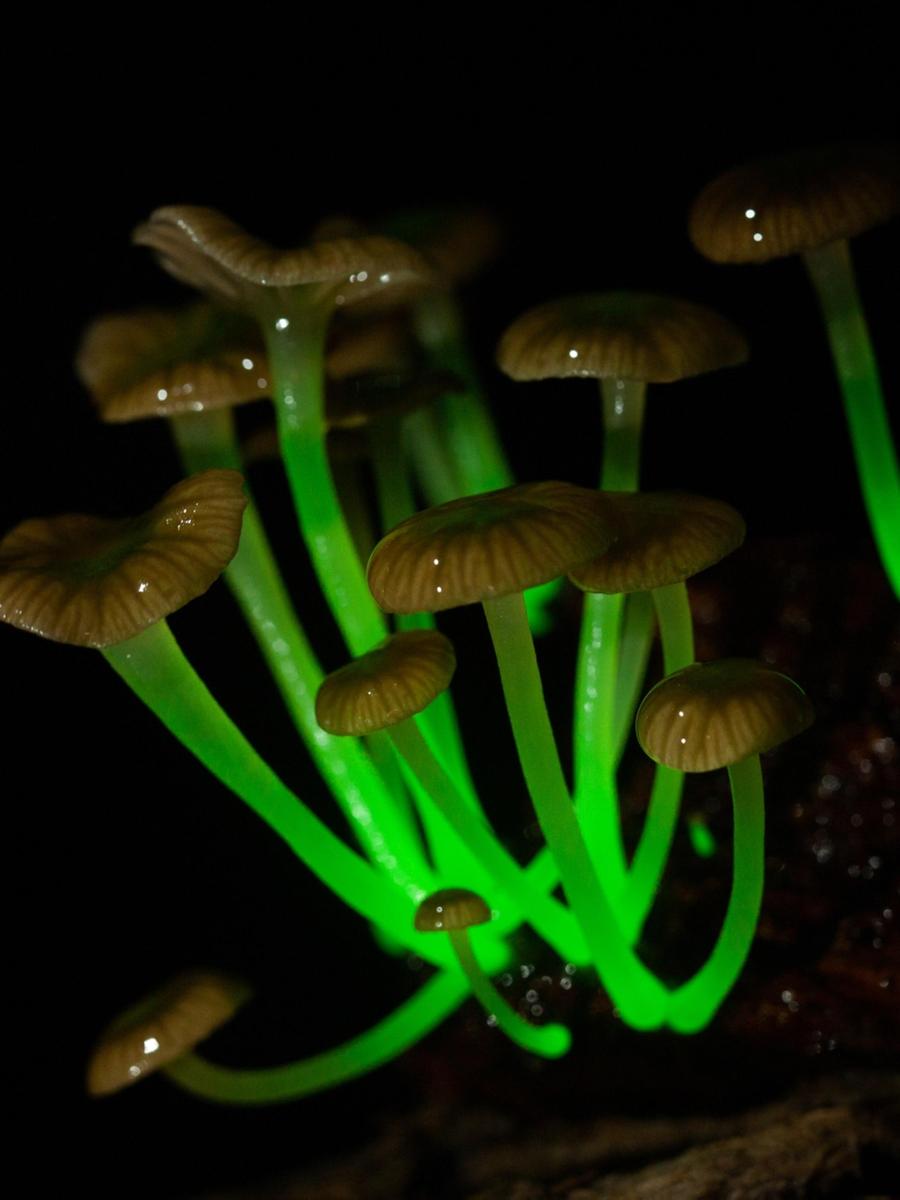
[795, 202]
[366, 399]
[711, 715]
[664, 537]
[459, 241]
[489, 545]
[394, 681]
[159, 364]
[381, 344]
[92, 581]
[163, 1028]
[451, 908]
[209, 251]
[622, 335]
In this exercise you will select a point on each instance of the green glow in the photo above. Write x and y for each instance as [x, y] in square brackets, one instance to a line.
[635, 643]
[154, 667]
[693, 1005]
[411, 1021]
[550, 1041]
[634, 989]
[832, 274]
[702, 841]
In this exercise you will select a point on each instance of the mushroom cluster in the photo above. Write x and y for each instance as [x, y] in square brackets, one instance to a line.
[357, 342]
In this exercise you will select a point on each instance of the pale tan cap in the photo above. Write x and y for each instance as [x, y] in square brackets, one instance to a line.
[621, 335]
[451, 908]
[162, 1029]
[487, 546]
[394, 681]
[92, 581]
[159, 364]
[796, 202]
[711, 715]
[665, 538]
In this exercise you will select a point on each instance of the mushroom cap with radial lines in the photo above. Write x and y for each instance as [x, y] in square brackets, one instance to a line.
[796, 202]
[394, 681]
[209, 251]
[451, 908]
[619, 335]
[166, 1026]
[665, 537]
[712, 715]
[94, 581]
[159, 364]
[490, 545]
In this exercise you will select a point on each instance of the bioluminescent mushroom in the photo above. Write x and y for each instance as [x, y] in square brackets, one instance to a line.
[454, 911]
[811, 203]
[664, 539]
[489, 549]
[163, 1028]
[724, 714]
[384, 690]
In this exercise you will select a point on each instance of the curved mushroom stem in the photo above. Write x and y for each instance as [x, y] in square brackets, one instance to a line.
[635, 642]
[550, 1041]
[154, 667]
[408, 1024]
[634, 989]
[693, 1005]
[208, 439]
[295, 337]
[550, 918]
[831, 271]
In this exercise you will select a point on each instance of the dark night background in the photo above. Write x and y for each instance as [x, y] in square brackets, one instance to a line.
[127, 862]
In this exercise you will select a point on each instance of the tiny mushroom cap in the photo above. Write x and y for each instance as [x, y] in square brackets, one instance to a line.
[487, 546]
[394, 681]
[796, 202]
[451, 908]
[159, 364]
[711, 715]
[163, 1028]
[665, 538]
[92, 581]
[207, 250]
[621, 335]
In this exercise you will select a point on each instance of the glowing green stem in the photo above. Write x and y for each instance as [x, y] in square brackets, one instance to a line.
[391, 1036]
[390, 841]
[295, 337]
[635, 642]
[550, 1041]
[551, 919]
[435, 470]
[154, 667]
[693, 1005]
[635, 990]
[876, 459]
[623, 423]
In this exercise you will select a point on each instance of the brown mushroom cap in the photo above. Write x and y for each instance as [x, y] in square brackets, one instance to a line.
[664, 537]
[162, 1029]
[795, 202]
[451, 908]
[366, 399]
[394, 681]
[489, 545]
[207, 250]
[459, 241]
[711, 715]
[622, 335]
[92, 581]
[160, 364]
[381, 344]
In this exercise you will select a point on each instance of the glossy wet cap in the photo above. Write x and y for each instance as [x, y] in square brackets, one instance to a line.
[164, 1028]
[395, 681]
[487, 546]
[209, 251]
[665, 537]
[715, 714]
[161, 364]
[622, 335]
[451, 908]
[92, 581]
[796, 202]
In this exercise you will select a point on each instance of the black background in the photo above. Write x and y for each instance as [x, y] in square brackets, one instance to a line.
[589, 140]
